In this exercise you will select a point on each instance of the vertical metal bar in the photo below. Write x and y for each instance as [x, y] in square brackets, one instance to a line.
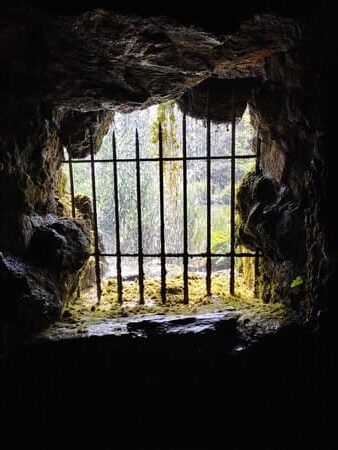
[185, 212]
[232, 198]
[258, 168]
[163, 256]
[72, 197]
[139, 220]
[117, 227]
[208, 262]
[95, 226]
[71, 179]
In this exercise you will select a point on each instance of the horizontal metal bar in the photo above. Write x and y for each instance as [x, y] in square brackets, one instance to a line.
[179, 255]
[173, 158]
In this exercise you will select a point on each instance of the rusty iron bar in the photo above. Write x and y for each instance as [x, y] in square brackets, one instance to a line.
[232, 197]
[208, 260]
[139, 220]
[181, 255]
[72, 198]
[163, 255]
[117, 227]
[95, 224]
[185, 213]
[162, 225]
[258, 168]
[165, 158]
[71, 182]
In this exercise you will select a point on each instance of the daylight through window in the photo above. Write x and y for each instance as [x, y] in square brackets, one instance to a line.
[160, 197]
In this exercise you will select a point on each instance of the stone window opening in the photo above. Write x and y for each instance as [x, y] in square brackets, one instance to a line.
[161, 198]
[43, 245]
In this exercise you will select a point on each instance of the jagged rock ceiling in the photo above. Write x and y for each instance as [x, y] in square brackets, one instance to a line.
[101, 60]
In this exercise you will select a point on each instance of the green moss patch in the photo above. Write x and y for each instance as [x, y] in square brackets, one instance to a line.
[87, 309]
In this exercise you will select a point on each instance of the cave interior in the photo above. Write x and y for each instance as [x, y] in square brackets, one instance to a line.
[217, 380]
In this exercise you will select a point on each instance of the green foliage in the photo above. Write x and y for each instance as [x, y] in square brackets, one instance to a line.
[298, 281]
[167, 118]
[220, 235]
[219, 241]
[147, 123]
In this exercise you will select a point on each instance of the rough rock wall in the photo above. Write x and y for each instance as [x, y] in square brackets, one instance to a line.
[280, 207]
[41, 254]
[64, 75]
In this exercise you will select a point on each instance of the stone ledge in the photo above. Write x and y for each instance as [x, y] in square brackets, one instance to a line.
[229, 327]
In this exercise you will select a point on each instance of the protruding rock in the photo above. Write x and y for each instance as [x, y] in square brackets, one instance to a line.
[63, 246]
[30, 297]
[77, 129]
[215, 96]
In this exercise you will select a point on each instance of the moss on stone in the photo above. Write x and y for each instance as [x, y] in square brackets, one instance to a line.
[62, 195]
[87, 310]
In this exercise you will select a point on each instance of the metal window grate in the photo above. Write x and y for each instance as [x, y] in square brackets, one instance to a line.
[163, 255]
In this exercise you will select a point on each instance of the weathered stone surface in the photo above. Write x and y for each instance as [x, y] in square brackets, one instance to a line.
[63, 73]
[202, 324]
[234, 330]
[77, 129]
[29, 157]
[286, 226]
[32, 153]
[271, 220]
[273, 161]
[62, 246]
[44, 273]
[214, 97]
[145, 61]
[15, 232]
[101, 60]
[30, 297]
[269, 217]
